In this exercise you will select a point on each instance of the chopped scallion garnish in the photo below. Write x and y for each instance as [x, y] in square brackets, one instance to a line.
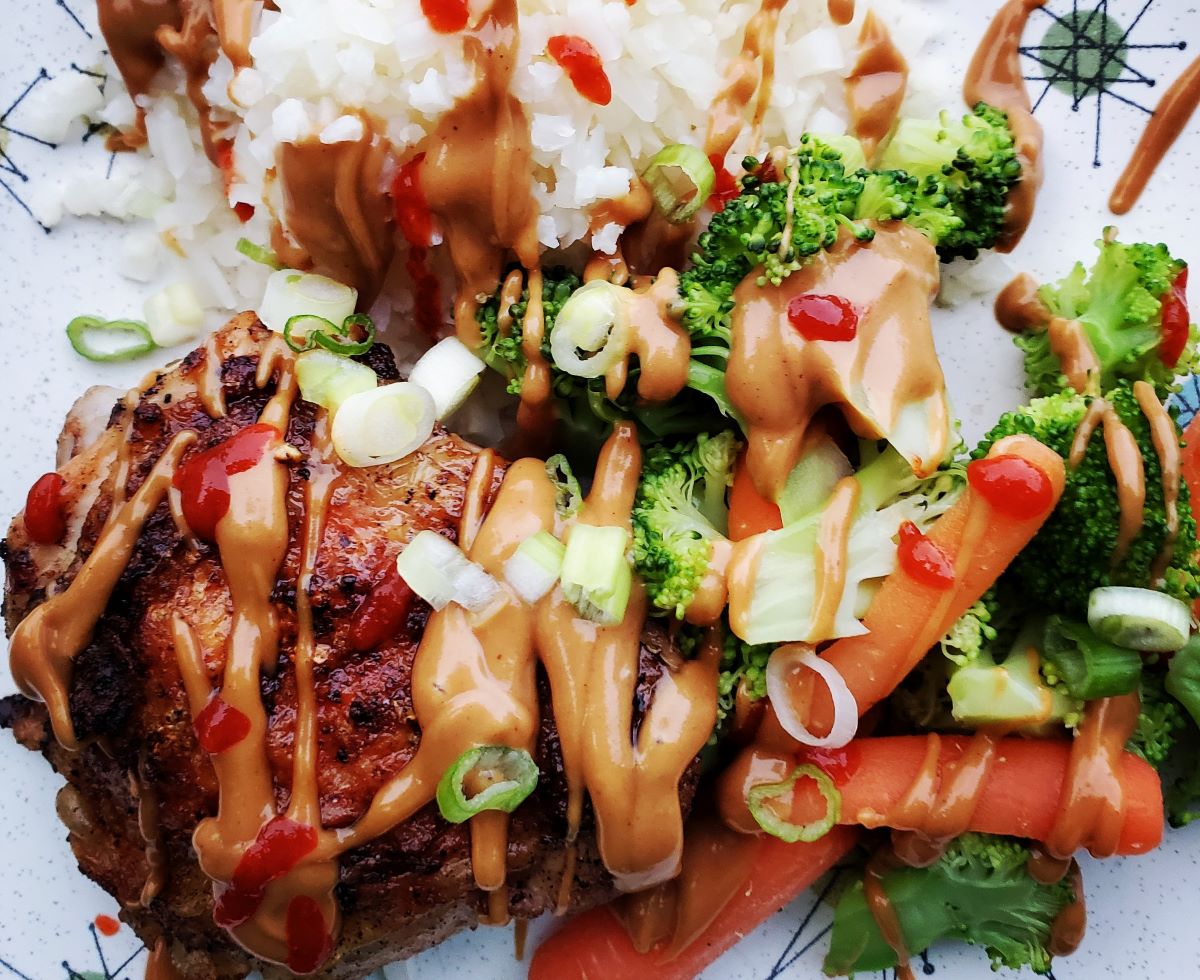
[258, 253]
[768, 802]
[534, 567]
[680, 178]
[109, 340]
[490, 777]
[596, 577]
[1089, 666]
[305, 331]
[1140, 619]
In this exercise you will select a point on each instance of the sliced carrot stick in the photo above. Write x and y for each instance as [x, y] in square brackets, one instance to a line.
[595, 946]
[1019, 797]
[750, 512]
[908, 616]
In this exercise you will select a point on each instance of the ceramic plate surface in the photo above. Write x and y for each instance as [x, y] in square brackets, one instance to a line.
[1093, 97]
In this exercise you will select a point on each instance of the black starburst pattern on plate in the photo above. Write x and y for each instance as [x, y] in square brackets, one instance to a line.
[118, 969]
[1086, 53]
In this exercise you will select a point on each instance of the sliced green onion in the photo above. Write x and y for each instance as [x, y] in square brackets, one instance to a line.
[438, 571]
[328, 380]
[449, 371]
[383, 424]
[258, 253]
[341, 342]
[680, 178]
[292, 293]
[1140, 619]
[301, 330]
[568, 496]
[109, 340]
[596, 578]
[591, 331]
[761, 800]
[1089, 666]
[535, 565]
[174, 315]
[504, 777]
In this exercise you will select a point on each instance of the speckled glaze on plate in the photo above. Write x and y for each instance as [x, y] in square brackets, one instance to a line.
[1092, 98]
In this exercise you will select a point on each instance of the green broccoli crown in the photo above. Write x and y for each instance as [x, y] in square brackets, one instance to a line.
[965, 168]
[502, 348]
[1072, 553]
[978, 892]
[742, 665]
[972, 632]
[678, 513]
[1159, 723]
[1120, 303]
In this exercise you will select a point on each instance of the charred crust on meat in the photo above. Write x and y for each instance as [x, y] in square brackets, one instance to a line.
[381, 360]
[105, 689]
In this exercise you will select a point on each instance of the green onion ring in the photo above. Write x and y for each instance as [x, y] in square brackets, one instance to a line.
[680, 178]
[258, 253]
[518, 777]
[347, 347]
[758, 799]
[138, 334]
[316, 326]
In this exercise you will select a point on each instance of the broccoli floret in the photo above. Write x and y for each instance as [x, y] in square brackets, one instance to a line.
[744, 666]
[1072, 554]
[1159, 723]
[781, 607]
[678, 513]
[1121, 303]
[978, 892]
[965, 169]
[972, 632]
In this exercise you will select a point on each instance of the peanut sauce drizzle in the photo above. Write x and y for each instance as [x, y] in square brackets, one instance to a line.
[841, 12]
[1070, 344]
[336, 210]
[1125, 461]
[1171, 115]
[142, 790]
[1018, 307]
[485, 134]
[875, 86]
[1165, 437]
[662, 347]
[535, 382]
[159, 965]
[833, 542]
[778, 380]
[46, 642]
[209, 382]
[995, 76]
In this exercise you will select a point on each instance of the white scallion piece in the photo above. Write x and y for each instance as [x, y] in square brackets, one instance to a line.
[535, 566]
[1139, 619]
[449, 372]
[591, 331]
[328, 379]
[438, 571]
[781, 664]
[174, 315]
[292, 293]
[383, 424]
[596, 575]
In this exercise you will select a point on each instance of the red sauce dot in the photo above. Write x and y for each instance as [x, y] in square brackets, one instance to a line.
[381, 614]
[1012, 485]
[220, 726]
[445, 16]
[203, 481]
[107, 925]
[408, 201]
[583, 66]
[280, 845]
[725, 187]
[45, 517]
[818, 317]
[309, 940]
[244, 211]
[1175, 327]
[922, 560]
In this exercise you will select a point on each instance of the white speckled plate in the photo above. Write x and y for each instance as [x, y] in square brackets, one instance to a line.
[1143, 923]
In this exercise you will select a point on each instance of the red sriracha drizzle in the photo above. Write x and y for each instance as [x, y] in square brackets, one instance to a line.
[725, 187]
[203, 481]
[220, 726]
[45, 520]
[445, 16]
[1174, 321]
[279, 847]
[381, 614]
[818, 317]
[922, 560]
[583, 66]
[1012, 485]
[415, 220]
[309, 940]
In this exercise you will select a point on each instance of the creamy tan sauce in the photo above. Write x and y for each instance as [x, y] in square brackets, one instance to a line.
[1018, 307]
[1076, 356]
[159, 965]
[841, 12]
[130, 29]
[477, 175]
[995, 76]
[778, 380]
[1127, 466]
[657, 340]
[1170, 117]
[1165, 437]
[142, 790]
[875, 86]
[884, 912]
[336, 211]
[833, 541]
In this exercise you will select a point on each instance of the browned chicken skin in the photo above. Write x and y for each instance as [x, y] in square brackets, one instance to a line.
[401, 893]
